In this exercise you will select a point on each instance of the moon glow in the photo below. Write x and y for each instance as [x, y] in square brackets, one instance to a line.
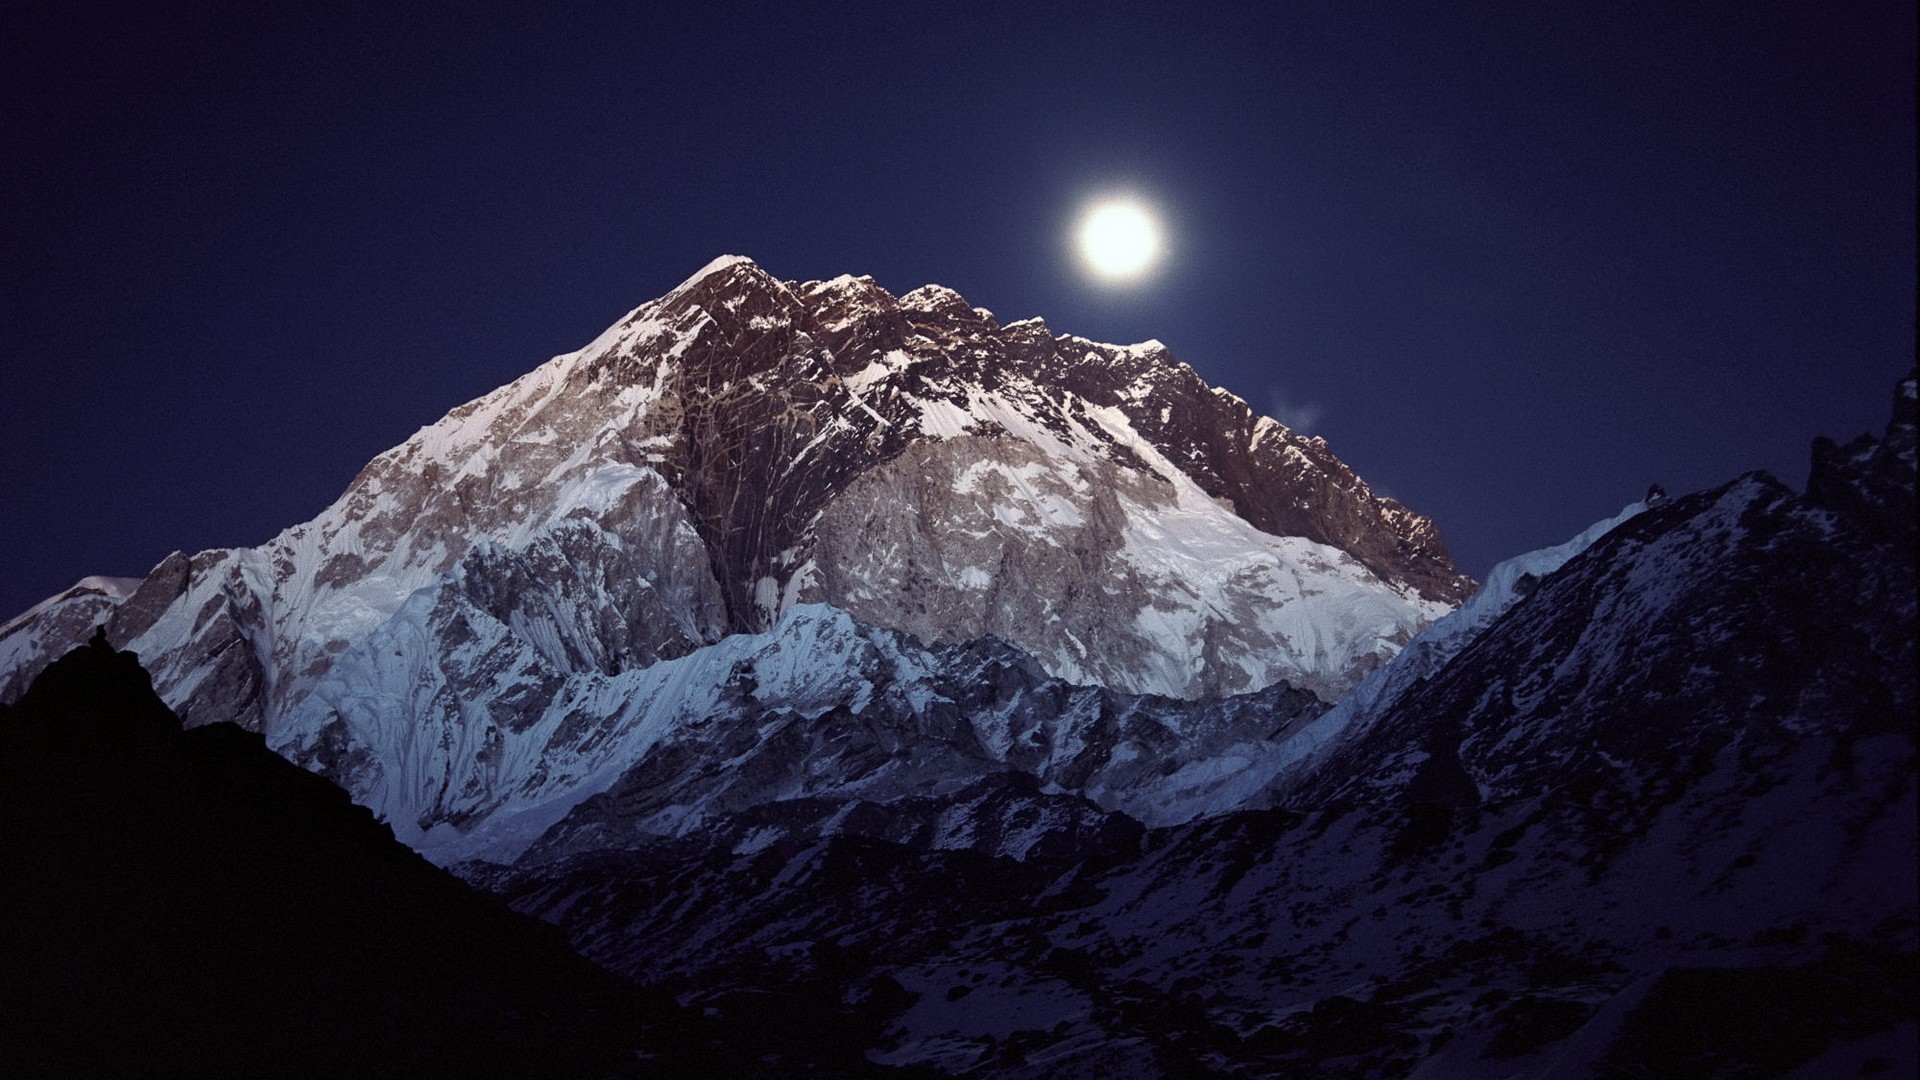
[1119, 239]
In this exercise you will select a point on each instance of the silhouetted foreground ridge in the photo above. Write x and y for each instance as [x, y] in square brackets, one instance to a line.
[187, 903]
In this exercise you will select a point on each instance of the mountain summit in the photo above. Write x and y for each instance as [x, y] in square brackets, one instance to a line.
[748, 468]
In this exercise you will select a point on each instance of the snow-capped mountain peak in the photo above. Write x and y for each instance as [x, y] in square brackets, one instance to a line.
[744, 447]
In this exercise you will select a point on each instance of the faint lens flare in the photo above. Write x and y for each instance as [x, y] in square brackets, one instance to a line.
[1300, 417]
[1118, 238]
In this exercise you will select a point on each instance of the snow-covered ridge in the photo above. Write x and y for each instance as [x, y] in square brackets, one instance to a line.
[752, 718]
[111, 589]
[35, 636]
[1507, 583]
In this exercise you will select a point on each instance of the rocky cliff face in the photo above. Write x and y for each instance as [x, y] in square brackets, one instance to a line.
[1111, 576]
[462, 634]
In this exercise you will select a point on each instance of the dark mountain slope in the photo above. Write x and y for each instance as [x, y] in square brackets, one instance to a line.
[1723, 629]
[187, 903]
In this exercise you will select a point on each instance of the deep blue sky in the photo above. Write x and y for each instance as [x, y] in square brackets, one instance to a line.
[1513, 264]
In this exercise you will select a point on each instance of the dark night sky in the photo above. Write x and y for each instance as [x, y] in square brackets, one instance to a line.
[1513, 265]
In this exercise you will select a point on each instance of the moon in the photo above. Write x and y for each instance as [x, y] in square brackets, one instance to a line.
[1119, 239]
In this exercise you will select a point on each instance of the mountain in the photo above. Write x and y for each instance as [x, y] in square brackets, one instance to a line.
[756, 505]
[876, 688]
[1646, 809]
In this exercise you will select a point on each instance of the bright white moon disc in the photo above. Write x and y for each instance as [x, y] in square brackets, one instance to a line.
[1119, 239]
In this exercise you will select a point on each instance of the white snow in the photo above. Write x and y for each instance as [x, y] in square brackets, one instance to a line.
[874, 372]
[724, 262]
[113, 589]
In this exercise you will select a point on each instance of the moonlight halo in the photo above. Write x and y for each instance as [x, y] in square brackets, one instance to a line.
[1118, 238]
